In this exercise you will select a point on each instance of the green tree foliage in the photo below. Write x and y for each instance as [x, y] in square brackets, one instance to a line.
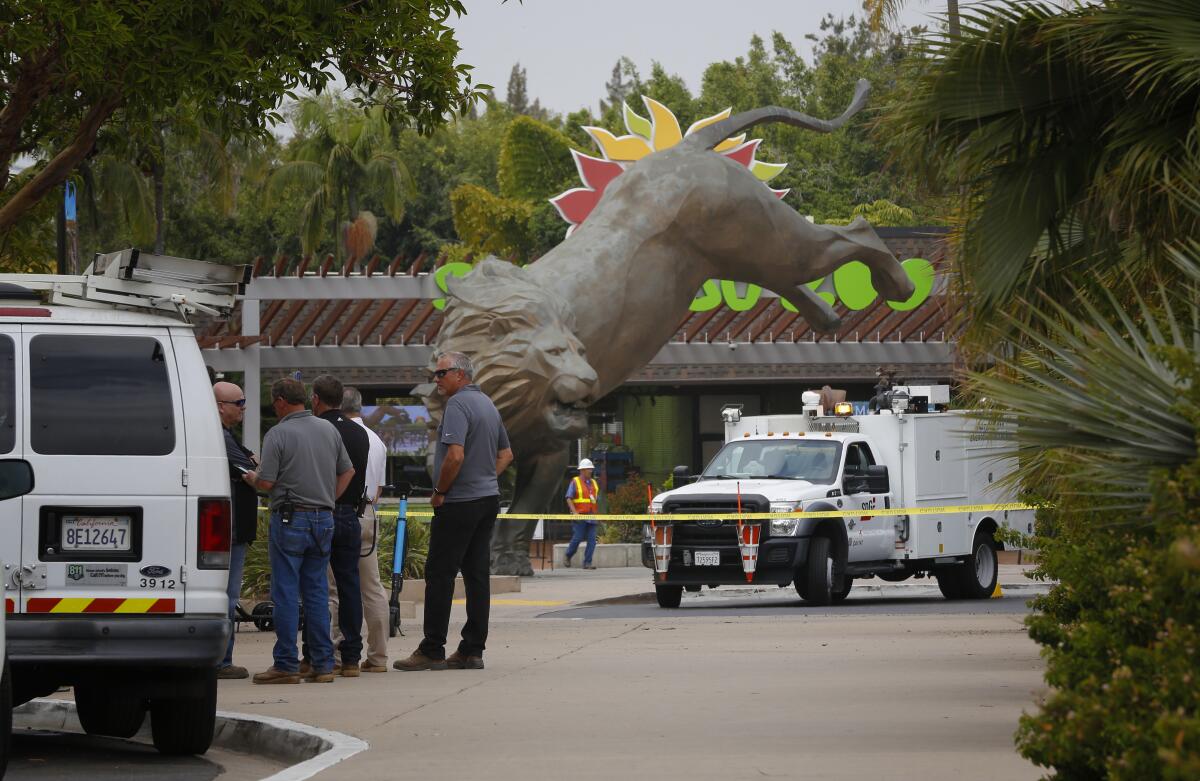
[490, 224]
[71, 68]
[535, 160]
[519, 223]
[1067, 133]
[341, 159]
[1067, 139]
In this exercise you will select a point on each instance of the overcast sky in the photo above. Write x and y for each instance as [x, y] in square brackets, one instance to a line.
[568, 47]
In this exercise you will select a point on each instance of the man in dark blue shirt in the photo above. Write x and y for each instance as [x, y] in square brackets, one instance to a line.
[231, 407]
[472, 450]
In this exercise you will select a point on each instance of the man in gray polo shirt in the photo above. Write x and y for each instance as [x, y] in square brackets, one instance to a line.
[305, 467]
[472, 450]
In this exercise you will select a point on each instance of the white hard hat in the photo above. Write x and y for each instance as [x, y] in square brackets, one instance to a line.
[586, 463]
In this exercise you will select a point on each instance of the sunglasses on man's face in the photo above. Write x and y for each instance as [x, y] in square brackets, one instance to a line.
[440, 373]
[237, 403]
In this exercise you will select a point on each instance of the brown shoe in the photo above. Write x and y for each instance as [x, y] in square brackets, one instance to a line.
[232, 672]
[457, 661]
[316, 677]
[272, 675]
[347, 670]
[305, 667]
[374, 668]
[419, 661]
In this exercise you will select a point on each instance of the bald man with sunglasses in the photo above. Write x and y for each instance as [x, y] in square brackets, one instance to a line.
[231, 407]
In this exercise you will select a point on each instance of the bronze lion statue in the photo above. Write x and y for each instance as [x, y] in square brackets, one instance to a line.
[569, 328]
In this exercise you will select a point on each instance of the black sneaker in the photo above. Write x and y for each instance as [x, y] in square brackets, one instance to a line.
[567, 561]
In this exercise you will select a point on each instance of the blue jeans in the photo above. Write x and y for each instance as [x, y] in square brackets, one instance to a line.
[237, 563]
[343, 560]
[581, 530]
[299, 558]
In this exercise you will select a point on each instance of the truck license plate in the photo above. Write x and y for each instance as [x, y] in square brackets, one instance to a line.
[96, 532]
[707, 558]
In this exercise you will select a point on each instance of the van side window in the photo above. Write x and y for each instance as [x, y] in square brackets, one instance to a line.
[100, 395]
[8, 396]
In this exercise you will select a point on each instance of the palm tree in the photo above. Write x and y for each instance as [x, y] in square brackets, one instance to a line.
[1067, 136]
[341, 157]
[881, 11]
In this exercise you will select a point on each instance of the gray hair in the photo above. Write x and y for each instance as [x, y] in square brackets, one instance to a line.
[351, 400]
[460, 361]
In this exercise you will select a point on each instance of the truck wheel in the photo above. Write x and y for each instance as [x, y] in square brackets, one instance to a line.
[818, 573]
[841, 594]
[950, 582]
[102, 710]
[980, 571]
[185, 725]
[668, 596]
[5, 717]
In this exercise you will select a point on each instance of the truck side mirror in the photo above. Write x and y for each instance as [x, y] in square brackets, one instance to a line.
[877, 479]
[854, 483]
[682, 474]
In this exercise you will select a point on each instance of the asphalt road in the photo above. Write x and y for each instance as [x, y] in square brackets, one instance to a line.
[50, 756]
[784, 602]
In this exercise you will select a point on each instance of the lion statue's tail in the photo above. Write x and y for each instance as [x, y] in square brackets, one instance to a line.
[710, 136]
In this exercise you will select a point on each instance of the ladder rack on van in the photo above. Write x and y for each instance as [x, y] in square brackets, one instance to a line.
[136, 280]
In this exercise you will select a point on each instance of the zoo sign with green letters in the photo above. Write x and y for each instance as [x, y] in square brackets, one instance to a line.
[851, 285]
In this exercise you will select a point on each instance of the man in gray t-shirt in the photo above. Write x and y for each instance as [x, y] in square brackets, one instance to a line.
[305, 467]
[472, 450]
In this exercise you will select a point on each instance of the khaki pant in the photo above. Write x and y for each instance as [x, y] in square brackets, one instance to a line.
[375, 600]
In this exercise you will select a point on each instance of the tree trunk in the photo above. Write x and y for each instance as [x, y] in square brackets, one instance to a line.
[952, 15]
[158, 172]
[160, 219]
[59, 168]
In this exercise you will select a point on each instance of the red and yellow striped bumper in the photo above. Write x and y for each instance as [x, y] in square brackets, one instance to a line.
[94, 605]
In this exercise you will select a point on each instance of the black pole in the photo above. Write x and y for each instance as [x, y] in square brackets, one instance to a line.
[60, 224]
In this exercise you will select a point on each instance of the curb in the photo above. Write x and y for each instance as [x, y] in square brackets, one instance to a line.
[890, 589]
[310, 749]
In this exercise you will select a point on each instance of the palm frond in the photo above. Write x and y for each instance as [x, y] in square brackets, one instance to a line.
[304, 176]
[387, 176]
[1095, 392]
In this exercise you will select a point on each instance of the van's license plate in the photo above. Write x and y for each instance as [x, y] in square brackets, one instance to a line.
[96, 532]
[707, 558]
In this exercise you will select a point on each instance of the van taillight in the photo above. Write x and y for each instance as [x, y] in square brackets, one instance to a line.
[215, 533]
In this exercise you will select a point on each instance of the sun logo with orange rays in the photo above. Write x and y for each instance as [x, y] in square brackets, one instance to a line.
[646, 136]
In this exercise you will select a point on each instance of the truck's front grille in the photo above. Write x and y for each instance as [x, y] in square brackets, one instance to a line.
[722, 529]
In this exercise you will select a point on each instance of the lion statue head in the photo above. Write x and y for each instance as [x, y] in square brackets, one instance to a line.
[526, 355]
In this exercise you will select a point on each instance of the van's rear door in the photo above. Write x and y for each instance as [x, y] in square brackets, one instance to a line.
[105, 437]
[10, 447]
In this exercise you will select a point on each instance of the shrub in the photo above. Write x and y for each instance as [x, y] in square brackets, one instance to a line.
[256, 580]
[1120, 635]
[629, 499]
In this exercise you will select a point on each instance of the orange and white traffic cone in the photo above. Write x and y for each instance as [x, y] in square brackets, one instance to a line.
[749, 535]
[661, 545]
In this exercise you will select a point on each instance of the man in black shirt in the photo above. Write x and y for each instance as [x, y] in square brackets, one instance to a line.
[347, 531]
[231, 407]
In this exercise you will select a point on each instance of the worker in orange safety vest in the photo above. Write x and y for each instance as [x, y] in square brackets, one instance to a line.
[583, 499]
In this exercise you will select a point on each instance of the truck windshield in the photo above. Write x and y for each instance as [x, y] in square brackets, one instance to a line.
[815, 462]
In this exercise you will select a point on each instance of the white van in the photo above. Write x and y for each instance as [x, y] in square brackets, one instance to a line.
[116, 562]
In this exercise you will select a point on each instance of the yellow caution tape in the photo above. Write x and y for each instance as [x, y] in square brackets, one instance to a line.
[672, 517]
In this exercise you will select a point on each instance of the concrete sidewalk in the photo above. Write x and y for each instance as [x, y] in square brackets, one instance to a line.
[815, 694]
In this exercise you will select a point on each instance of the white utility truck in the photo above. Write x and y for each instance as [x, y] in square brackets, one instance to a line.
[821, 462]
[116, 553]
